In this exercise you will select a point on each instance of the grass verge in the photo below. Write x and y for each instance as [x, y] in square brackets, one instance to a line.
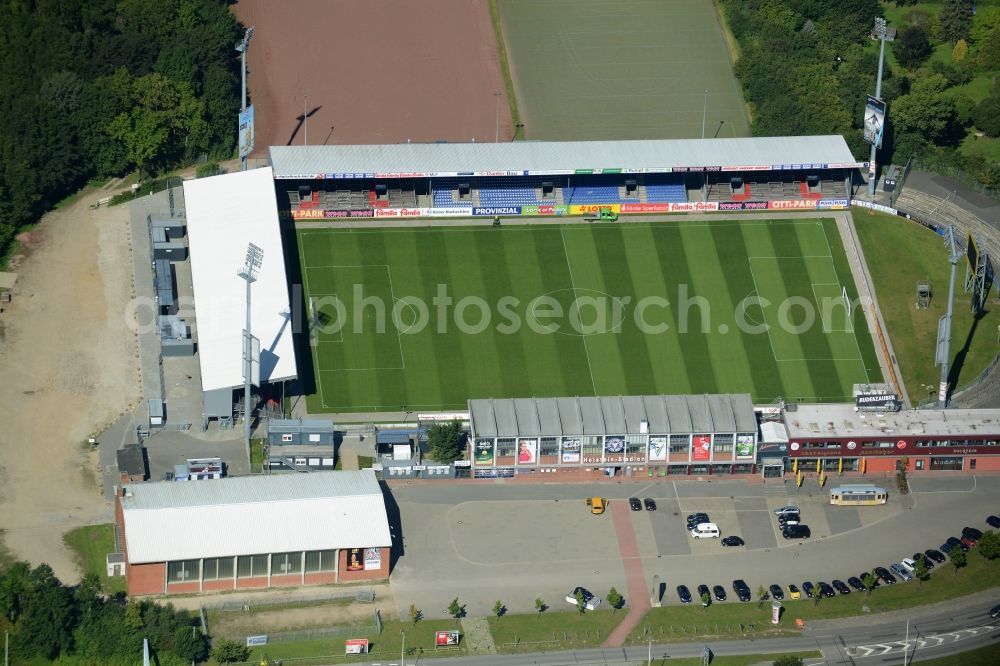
[984, 656]
[553, 631]
[90, 545]
[900, 253]
[508, 81]
[256, 455]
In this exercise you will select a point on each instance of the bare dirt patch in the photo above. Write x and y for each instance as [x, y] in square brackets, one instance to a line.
[68, 367]
[237, 624]
[374, 71]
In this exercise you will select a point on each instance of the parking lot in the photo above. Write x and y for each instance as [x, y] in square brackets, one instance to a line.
[516, 542]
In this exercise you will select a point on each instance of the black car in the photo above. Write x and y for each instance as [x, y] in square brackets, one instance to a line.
[786, 518]
[635, 504]
[650, 504]
[995, 612]
[719, 592]
[946, 547]
[795, 532]
[927, 561]
[993, 521]
[731, 541]
[684, 594]
[841, 587]
[972, 533]
[703, 591]
[776, 592]
[696, 519]
[809, 589]
[934, 555]
[874, 578]
[884, 575]
[856, 583]
[825, 590]
[741, 589]
[957, 543]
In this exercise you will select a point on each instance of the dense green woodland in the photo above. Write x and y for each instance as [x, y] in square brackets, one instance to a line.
[806, 66]
[98, 88]
[77, 625]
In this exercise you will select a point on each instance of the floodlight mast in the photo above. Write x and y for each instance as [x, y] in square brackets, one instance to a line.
[944, 324]
[881, 33]
[251, 267]
[242, 47]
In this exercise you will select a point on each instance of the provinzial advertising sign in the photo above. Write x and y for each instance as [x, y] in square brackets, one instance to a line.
[497, 210]
[701, 447]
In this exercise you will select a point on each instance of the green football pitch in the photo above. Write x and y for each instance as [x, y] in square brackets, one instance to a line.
[607, 69]
[426, 318]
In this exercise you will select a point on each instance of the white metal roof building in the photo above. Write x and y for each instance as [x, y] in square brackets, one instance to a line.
[224, 214]
[249, 515]
[422, 160]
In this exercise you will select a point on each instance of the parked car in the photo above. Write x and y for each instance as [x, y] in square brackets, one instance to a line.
[884, 575]
[993, 521]
[957, 543]
[934, 555]
[696, 519]
[841, 587]
[969, 542]
[795, 532]
[650, 504]
[788, 519]
[995, 612]
[856, 583]
[634, 504]
[901, 571]
[972, 533]
[808, 588]
[719, 592]
[590, 602]
[927, 561]
[862, 575]
[786, 509]
[741, 589]
[946, 547]
[776, 592]
[732, 541]
[793, 592]
[910, 564]
[825, 590]
[684, 594]
[702, 592]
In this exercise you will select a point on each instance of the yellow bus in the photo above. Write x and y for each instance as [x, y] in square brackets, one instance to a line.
[858, 494]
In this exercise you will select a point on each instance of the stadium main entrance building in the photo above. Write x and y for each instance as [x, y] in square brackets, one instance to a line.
[531, 178]
[651, 435]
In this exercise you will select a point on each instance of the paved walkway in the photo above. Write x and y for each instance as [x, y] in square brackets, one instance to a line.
[477, 638]
[635, 577]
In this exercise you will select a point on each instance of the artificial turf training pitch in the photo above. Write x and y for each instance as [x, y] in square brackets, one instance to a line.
[552, 310]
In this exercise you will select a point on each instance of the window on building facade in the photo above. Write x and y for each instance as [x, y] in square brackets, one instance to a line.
[549, 446]
[679, 443]
[505, 447]
[217, 568]
[251, 566]
[593, 448]
[723, 438]
[182, 571]
[321, 560]
[286, 563]
[635, 444]
[722, 448]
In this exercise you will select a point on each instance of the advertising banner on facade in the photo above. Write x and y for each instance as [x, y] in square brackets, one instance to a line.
[373, 559]
[570, 450]
[445, 638]
[743, 205]
[593, 208]
[545, 209]
[614, 445]
[657, 448]
[527, 451]
[792, 204]
[497, 210]
[874, 206]
[702, 447]
[354, 559]
[399, 212]
[484, 452]
[874, 121]
[356, 646]
[448, 212]
[745, 447]
[368, 212]
[833, 204]
[309, 214]
[246, 131]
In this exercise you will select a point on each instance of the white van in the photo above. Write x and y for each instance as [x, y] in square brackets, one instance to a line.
[705, 531]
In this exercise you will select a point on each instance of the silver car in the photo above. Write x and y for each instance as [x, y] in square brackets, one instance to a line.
[901, 571]
[782, 510]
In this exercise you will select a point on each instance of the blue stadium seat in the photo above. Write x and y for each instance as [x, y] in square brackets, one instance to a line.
[665, 189]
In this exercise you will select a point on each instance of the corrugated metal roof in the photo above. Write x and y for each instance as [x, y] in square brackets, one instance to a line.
[569, 415]
[548, 416]
[701, 418]
[300, 425]
[555, 156]
[679, 415]
[614, 415]
[250, 515]
[503, 411]
[484, 424]
[593, 419]
[656, 413]
[746, 420]
[634, 413]
[527, 417]
[721, 410]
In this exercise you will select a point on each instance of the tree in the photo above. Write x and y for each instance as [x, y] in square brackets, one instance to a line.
[983, 23]
[539, 607]
[912, 46]
[615, 600]
[45, 628]
[987, 115]
[581, 602]
[920, 569]
[454, 609]
[226, 651]
[926, 115]
[762, 596]
[447, 441]
[788, 660]
[415, 614]
[868, 580]
[957, 558]
[989, 545]
[961, 50]
[706, 599]
[498, 609]
[956, 20]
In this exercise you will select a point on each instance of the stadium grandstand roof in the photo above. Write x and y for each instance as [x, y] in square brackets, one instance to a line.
[249, 515]
[560, 157]
[224, 214]
[613, 415]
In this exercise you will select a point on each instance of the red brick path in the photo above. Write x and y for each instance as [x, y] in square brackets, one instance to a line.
[637, 595]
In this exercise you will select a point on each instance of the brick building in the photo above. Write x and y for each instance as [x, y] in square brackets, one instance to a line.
[253, 532]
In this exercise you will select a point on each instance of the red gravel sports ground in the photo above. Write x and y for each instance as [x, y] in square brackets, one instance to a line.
[373, 71]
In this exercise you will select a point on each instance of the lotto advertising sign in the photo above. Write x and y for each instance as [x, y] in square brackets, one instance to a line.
[593, 208]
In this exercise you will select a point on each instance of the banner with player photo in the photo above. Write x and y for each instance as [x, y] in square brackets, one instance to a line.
[874, 125]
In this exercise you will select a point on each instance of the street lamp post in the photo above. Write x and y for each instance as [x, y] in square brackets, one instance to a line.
[880, 33]
[517, 128]
[402, 650]
[242, 47]
[497, 96]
